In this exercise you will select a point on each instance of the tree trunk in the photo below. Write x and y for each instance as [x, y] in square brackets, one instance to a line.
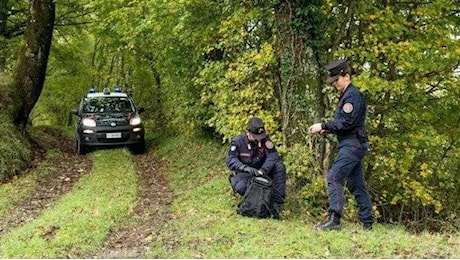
[30, 72]
[300, 77]
[157, 77]
[290, 73]
[3, 19]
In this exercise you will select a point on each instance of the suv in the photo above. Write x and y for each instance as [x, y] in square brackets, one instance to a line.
[108, 119]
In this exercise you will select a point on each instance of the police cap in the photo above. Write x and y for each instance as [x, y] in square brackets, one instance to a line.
[256, 128]
[337, 68]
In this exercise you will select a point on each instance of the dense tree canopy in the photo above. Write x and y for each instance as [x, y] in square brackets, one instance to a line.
[209, 65]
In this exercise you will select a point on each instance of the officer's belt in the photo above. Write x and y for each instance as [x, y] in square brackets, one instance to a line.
[346, 137]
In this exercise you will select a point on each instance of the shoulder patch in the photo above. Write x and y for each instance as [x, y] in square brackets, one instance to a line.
[269, 144]
[233, 148]
[348, 108]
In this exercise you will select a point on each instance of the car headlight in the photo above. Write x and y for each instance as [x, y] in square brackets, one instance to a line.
[136, 120]
[89, 122]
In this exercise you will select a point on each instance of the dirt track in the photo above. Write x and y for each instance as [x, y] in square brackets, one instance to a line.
[151, 214]
[133, 240]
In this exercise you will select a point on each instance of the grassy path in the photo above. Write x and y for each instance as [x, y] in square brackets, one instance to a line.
[134, 237]
[79, 221]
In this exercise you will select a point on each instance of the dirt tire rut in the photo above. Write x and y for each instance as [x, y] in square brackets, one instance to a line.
[150, 215]
[134, 238]
[66, 168]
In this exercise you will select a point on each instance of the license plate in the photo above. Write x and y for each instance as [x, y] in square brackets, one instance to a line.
[113, 135]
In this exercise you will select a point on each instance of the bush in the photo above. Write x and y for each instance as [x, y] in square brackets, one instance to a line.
[15, 150]
[306, 182]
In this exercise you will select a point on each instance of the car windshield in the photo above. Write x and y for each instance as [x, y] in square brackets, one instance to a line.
[107, 105]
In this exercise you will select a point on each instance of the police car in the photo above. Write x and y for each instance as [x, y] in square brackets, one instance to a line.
[108, 118]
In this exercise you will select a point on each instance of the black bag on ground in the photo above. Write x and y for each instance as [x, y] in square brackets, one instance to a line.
[256, 200]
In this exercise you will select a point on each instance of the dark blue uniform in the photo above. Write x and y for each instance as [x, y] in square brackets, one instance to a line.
[348, 125]
[262, 156]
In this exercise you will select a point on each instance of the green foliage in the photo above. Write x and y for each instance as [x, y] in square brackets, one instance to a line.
[307, 181]
[410, 84]
[240, 84]
[15, 150]
[240, 93]
[12, 20]
[212, 64]
[133, 47]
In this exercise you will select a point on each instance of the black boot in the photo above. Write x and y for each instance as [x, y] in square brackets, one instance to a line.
[276, 210]
[332, 223]
[367, 226]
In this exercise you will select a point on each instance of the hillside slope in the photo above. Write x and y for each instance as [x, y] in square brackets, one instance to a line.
[172, 202]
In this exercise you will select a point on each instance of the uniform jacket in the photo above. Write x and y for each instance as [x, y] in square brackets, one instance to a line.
[349, 116]
[262, 156]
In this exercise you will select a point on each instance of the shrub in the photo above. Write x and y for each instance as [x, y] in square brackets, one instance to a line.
[15, 150]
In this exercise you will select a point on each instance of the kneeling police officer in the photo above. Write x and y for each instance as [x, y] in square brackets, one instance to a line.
[254, 154]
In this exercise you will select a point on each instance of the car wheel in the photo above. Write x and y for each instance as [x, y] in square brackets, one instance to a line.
[138, 148]
[81, 148]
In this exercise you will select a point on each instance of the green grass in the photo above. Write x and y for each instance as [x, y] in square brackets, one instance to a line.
[205, 224]
[80, 221]
[203, 221]
[20, 189]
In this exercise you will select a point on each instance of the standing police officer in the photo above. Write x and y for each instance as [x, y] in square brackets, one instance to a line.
[254, 154]
[348, 125]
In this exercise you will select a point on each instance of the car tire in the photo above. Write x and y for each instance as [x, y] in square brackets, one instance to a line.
[138, 148]
[81, 148]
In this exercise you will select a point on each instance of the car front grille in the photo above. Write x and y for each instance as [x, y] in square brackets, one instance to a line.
[119, 122]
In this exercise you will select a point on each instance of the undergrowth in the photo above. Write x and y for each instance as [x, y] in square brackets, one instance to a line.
[205, 223]
[21, 189]
[15, 150]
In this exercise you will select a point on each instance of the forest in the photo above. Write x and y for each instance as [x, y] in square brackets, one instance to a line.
[207, 66]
